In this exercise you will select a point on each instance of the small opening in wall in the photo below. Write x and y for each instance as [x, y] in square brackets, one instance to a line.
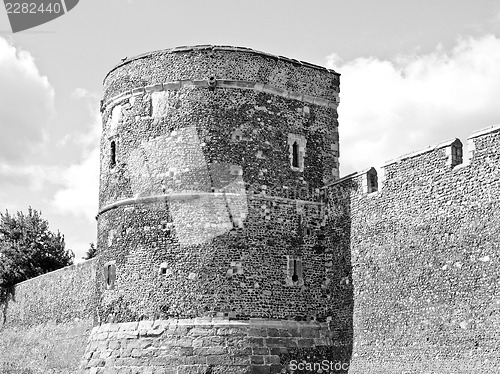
[372, 183]
[164, 270]
[456, 155]
[295, 276]
[295, 155]
[110, 275]
[212, 82]
[294, 271]
[113, 154]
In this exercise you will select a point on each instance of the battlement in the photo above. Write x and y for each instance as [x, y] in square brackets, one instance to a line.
[440, 161]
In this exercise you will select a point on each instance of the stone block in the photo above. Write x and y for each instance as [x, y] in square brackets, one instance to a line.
[213, 341]
[128, 326]
[310, 332]
[259, 369]
[279, 342]
[222, 360]
[257, 359]
[305, 343]
[256, 331]
[192, 369]
[126, 334]
[114, 344]
[201, 331]
[274, 359]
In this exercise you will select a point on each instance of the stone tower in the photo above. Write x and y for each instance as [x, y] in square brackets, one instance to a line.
[211, 226]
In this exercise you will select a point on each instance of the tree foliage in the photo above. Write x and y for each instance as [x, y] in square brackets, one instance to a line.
[91, 252]
[28, 248]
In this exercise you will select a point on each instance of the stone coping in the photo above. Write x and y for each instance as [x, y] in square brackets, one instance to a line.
[348, 176]
[447, 143]
[484, 131]
[420, 152]
[65, 268]
[219, 48]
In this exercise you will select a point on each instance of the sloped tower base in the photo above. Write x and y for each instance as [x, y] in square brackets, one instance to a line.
[212, 345]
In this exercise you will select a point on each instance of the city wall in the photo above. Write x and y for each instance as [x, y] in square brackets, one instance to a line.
[47, 320]
[424, 251]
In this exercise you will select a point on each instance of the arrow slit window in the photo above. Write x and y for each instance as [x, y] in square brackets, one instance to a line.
[110, 274]
[112, 160]
[294, 276]
[297, 151]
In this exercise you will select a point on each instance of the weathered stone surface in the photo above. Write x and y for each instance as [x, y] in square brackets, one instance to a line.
[424, 300]
[210, 207]
[172, 350]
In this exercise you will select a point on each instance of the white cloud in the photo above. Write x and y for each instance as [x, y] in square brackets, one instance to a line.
[26, 104]
[80, 181]
[392, 107]
[78, 195]
[33, 177]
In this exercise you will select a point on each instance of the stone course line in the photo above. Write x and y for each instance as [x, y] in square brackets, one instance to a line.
[224, 83]
[188, 196]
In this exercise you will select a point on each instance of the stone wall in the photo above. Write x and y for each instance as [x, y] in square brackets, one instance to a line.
[211, 163]
[46, 348]
[199, 267]
[47, 321]
[59, 296]
[425, 251]
[211, 345]
[204, 151]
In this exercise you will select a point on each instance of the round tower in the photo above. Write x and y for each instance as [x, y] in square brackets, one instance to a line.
[210, 222]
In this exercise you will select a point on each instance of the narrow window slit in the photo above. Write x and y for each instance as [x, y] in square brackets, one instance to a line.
[110, 275]
[113, 153]
[295, 155]
[295, 277]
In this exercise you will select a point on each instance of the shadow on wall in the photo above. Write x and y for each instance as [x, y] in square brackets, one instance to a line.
[6, 296]
[338, 237]
[335, 241]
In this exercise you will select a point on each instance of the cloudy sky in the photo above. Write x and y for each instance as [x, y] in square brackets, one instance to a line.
[413, 73]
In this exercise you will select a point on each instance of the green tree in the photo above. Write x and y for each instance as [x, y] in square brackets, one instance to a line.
[28, 248]
[91, 252]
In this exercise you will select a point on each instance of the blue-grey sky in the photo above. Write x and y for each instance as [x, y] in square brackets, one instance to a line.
[413, 73]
